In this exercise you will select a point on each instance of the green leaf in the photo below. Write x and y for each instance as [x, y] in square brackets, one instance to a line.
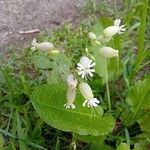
[41, 61]
[139, 95]
[100, 147]
[142, 141]
[138, 99]
[11, 146]
[1, 142]
[48, 101]
[90, 139]
[61, 68]
[123, 146]
[145, 122]
[21, 134]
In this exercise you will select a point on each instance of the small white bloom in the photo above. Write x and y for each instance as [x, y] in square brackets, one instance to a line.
[116, 28]
[92, 36]
[71, 81]
[108, 52]
[91, 102]
[85, 67]
[44, 46]
[71, 95]
[87, 93]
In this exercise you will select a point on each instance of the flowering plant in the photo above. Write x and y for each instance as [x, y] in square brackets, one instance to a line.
[70, 101]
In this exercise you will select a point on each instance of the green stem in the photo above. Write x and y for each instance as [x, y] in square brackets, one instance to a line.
[142, 28]
[107, 88]
[127, 136]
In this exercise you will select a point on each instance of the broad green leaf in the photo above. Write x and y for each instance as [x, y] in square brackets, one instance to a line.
[41, 61]
[145, 122]
[48, 101]
[139, 100]
[90, 139]
[139, 95]
[123, 146]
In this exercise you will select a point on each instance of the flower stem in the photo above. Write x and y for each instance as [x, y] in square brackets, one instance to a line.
[107, 87]
[127, 136]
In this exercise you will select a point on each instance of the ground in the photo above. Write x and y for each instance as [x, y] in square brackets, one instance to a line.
[24, 15]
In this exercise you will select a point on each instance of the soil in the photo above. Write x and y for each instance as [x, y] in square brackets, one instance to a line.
[25, 15]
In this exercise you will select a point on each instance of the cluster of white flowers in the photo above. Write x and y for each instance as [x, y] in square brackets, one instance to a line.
[106, 36]
[85, 90]
[85, 67]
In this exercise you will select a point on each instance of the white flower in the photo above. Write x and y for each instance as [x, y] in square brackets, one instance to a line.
[92, 36]
[116, 28]
[44, 46]
[71, 81]
[71, 92]
[91, 102]
[87, 93]
[85, 67]
[71, 95]
[108, 52]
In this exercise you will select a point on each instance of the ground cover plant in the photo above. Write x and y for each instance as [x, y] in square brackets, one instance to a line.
[84, 87]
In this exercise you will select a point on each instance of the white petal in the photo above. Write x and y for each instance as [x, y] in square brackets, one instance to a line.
[117, 22]
[92, 64]
[79, 68]
[79, 64]
[83, 75]
[73, 106]
[91, 75]
[80, 72]
[91, 70]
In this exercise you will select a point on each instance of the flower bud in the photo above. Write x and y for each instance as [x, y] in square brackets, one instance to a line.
[44, 46]
[71, 95]
[86, 90]
[92, 36]
[110, 31]
[116, 28]
[108, 52]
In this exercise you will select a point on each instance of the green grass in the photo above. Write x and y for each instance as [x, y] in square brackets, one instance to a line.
[20, 126]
